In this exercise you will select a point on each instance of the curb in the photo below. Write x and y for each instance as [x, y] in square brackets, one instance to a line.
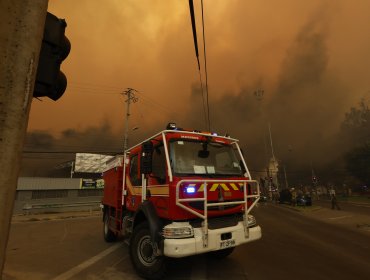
[302, 209]
[53, 216]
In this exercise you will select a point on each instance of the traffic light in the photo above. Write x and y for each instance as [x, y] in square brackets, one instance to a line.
[50, 81]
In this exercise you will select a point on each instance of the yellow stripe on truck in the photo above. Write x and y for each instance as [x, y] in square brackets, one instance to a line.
[129, 185]
[235, 188]
[215, 186]
[159, 190]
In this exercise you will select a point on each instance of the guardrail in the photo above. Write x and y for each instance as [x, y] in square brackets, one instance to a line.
[206, 204]
[47, 206]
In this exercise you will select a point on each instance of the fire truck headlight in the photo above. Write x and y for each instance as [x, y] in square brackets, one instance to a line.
[251, 221]
[178, 230]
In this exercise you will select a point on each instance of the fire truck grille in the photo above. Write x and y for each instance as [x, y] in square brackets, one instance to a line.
[219, 222]
[198, 205]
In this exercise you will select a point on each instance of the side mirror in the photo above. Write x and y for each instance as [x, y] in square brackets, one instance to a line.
[203, 154]
[242, 166]
[146, 157]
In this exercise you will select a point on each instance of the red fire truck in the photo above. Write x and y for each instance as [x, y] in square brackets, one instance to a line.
[176, 194]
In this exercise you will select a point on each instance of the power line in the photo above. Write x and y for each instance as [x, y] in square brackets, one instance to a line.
[83, 84]
[203, 99]
[152, 103]
[192, 16]
[111, 90]
[205, 68]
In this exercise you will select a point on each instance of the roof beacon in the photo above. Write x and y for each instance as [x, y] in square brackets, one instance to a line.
[171, 126]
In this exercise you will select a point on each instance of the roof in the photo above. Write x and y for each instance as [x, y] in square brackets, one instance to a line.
[186, 132]
[91, 163]
[41, 183]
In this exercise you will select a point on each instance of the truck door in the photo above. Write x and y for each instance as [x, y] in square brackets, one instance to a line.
[134, 173]
[158, 175]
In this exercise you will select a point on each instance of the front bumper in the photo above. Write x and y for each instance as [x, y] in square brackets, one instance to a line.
[178, 248]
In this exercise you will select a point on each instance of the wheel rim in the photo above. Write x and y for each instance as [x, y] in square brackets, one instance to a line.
[145, 251]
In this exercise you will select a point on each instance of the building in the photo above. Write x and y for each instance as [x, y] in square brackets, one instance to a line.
[40, 195]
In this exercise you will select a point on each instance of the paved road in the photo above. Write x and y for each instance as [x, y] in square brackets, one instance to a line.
[358, 208]
[303, 245]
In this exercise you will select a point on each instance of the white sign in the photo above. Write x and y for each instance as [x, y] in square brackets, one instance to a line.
[91, 163]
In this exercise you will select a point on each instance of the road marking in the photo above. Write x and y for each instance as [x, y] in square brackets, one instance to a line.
[65, 233]
[341, 217]
[360, 205]
[77, 269]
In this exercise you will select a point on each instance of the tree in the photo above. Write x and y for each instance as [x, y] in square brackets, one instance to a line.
[356, 130]
[358, 162]
[356, 125]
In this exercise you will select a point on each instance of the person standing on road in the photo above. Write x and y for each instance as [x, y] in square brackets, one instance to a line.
[334, 203]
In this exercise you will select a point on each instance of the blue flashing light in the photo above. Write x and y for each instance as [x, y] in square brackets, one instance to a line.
[214, 134]
[171, 126]
[190, 189]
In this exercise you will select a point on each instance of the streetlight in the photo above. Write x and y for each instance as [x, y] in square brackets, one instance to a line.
[259, 93]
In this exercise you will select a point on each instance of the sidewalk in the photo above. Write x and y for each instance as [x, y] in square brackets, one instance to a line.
[338, 217]
[54, 216]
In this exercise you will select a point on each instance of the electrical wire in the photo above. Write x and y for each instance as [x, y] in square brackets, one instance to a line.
[150, 102]
[203, 99]
[205, 68]
[112, 90]
[192, 16]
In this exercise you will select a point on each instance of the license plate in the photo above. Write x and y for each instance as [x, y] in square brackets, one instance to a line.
[227, 243]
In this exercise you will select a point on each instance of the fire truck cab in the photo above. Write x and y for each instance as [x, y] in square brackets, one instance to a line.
[176, 194]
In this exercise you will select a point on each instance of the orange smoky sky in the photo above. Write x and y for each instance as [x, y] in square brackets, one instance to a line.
[311, 59]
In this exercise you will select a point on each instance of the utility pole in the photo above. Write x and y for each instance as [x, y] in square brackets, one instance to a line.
[21, 33]
[286, 178]
[259, 96]
[272, 147]
[130, 92]
[275, 167]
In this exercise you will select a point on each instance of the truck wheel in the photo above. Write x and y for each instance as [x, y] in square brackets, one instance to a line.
[109, 236]
[221, 254]
[142, 253]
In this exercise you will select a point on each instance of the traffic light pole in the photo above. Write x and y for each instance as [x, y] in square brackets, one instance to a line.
[21, 33]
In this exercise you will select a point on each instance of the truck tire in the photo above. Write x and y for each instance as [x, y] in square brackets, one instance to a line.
[109, 236]
[221, 254]
[145, 262]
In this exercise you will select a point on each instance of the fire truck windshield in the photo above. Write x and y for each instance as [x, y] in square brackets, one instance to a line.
[199, 158]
